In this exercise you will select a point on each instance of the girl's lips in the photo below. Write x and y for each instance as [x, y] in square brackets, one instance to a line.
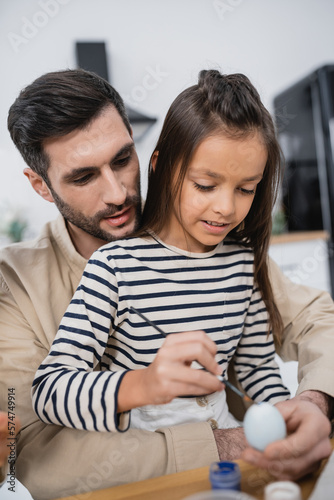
[214, 229]
[120, 219]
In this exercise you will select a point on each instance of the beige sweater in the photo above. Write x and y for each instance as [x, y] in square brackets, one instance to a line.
[37, 281]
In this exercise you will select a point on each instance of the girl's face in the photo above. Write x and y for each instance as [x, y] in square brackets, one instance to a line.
[217, 192]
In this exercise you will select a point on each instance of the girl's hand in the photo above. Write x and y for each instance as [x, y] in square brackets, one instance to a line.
[171, 375]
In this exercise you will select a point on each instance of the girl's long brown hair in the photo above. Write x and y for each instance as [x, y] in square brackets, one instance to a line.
[229, 105]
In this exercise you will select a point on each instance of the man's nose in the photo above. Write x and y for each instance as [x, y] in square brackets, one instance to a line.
[113, 190]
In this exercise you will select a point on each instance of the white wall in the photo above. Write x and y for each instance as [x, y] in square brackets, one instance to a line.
[275, 42]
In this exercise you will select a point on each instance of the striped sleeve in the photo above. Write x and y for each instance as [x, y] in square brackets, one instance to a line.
[255, 364]
[66, 390]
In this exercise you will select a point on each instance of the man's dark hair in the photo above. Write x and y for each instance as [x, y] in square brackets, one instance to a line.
[54, 105]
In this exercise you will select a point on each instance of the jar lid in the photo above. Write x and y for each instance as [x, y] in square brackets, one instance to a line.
[225, 475]
[282, 490]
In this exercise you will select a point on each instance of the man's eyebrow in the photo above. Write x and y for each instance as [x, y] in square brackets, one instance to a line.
[76, 172]
[127, 148]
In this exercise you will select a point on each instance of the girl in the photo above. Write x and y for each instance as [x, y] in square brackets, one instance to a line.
[198, 265]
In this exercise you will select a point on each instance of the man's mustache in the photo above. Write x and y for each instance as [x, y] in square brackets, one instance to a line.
[114, 209]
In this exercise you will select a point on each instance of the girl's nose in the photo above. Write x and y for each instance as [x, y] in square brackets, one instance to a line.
[224, 204]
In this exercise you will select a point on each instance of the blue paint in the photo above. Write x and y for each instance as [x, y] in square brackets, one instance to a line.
[225, 476]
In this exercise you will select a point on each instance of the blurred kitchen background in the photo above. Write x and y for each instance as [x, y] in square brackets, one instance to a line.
[152, 50]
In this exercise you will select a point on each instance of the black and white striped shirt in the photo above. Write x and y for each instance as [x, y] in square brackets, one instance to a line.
[99, 338]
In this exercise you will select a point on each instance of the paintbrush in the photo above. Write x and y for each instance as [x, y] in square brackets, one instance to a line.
[158, 329]
[234, 389]
[220, 377]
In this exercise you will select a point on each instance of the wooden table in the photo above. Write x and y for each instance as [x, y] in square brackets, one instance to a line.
[182, 484]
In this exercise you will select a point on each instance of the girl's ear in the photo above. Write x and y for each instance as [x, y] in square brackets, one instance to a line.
[38, 184]
[154, 158]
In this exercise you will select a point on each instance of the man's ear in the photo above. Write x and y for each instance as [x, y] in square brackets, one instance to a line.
[38, 184]
[154, 158]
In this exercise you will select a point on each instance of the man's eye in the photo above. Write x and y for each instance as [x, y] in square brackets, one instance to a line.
[83, 180]
[200, 187]
[124, 160]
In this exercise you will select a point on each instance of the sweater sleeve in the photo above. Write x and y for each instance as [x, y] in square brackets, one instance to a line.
[308, 317]
[255, 364]
[67, 389]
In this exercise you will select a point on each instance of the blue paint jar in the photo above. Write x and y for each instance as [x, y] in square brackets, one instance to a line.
[225, 476]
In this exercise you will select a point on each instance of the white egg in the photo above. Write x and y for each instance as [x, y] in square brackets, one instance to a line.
[263, 424]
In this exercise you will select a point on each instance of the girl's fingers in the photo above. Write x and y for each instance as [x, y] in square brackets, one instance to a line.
[191, 346]
[180, 380]
[190, 337]
[172, 374]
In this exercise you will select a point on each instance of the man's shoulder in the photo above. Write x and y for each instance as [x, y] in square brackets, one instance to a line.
[47, 256]
[21, 252]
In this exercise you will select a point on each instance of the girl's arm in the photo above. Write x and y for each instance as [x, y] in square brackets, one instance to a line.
[67, 390]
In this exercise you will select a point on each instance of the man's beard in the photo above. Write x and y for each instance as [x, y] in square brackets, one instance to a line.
[91, 225]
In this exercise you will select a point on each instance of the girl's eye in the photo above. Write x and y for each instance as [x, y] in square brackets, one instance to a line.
[202, 188]
[247, 191]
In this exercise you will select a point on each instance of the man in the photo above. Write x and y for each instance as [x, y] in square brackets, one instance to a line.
[72, 131]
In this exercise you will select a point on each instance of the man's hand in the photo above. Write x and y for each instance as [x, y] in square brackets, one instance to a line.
[307, 442]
